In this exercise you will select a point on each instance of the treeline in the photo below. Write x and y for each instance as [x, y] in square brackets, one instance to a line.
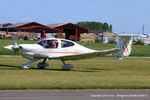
[96, 26]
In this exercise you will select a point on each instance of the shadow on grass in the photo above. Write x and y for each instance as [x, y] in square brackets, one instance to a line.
[2, 65]
[66, 70]
[99, 69]
[93, 70]
[13, 67]
[82, 70]
[9, 67]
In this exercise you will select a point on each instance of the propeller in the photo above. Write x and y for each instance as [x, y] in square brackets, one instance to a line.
[16, 47]
[15, 41]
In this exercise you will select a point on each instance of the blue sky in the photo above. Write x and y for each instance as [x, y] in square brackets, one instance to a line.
[126, 16]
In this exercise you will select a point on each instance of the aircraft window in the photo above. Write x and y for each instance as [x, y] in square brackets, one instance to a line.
[48, 43]
[66, 44]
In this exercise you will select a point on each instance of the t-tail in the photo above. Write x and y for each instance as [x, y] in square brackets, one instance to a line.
[124, 43]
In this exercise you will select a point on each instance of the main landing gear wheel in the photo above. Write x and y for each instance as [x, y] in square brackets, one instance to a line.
[27, 66]
[42, 65]
[67, 67]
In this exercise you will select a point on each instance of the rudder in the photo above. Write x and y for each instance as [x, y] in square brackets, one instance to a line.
[125, 45]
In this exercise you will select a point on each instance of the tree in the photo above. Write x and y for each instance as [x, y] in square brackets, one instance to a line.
[110, 28]
[96, 26]
[106, 27]
[91, 25]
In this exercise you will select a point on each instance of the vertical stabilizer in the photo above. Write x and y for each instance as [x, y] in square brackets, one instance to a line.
[125, 45]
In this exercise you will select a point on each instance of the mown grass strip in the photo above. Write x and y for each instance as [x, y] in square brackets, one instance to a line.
[97, 73]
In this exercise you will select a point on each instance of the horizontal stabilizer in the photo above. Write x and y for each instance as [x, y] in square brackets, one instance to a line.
[130, 35]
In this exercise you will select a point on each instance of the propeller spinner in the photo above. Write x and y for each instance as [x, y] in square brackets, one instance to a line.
[16, 47]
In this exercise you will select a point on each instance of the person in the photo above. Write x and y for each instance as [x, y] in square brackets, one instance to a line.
[45, 44]
[52, 44]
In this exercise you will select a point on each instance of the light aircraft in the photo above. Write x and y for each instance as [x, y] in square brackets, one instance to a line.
[54, 48]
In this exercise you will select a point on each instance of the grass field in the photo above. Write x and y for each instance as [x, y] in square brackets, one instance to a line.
[96, 73]
[103, 73]
[5, 42]
[138, 50]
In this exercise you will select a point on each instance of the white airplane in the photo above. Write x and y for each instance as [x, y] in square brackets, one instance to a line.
[54, 48]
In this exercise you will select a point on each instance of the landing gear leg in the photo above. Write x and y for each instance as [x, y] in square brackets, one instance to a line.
[42, 65]
[66, 67]
[28, 65]
[62, 60]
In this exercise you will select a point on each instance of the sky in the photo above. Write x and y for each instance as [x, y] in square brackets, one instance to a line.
[126, 16]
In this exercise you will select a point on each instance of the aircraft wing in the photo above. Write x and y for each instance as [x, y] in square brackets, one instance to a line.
[88, 55]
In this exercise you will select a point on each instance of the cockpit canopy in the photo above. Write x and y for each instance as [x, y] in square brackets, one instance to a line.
[65, 44]
[55, 43]
[48, 43]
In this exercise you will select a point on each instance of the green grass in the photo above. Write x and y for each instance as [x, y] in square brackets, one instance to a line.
[138, 50]
[96, 73]
[5, 42]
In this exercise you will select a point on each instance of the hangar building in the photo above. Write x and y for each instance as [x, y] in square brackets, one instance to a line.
[72, 31]
[29, 27]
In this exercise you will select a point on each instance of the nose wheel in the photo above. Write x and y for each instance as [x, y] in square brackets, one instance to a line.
[28, 65]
